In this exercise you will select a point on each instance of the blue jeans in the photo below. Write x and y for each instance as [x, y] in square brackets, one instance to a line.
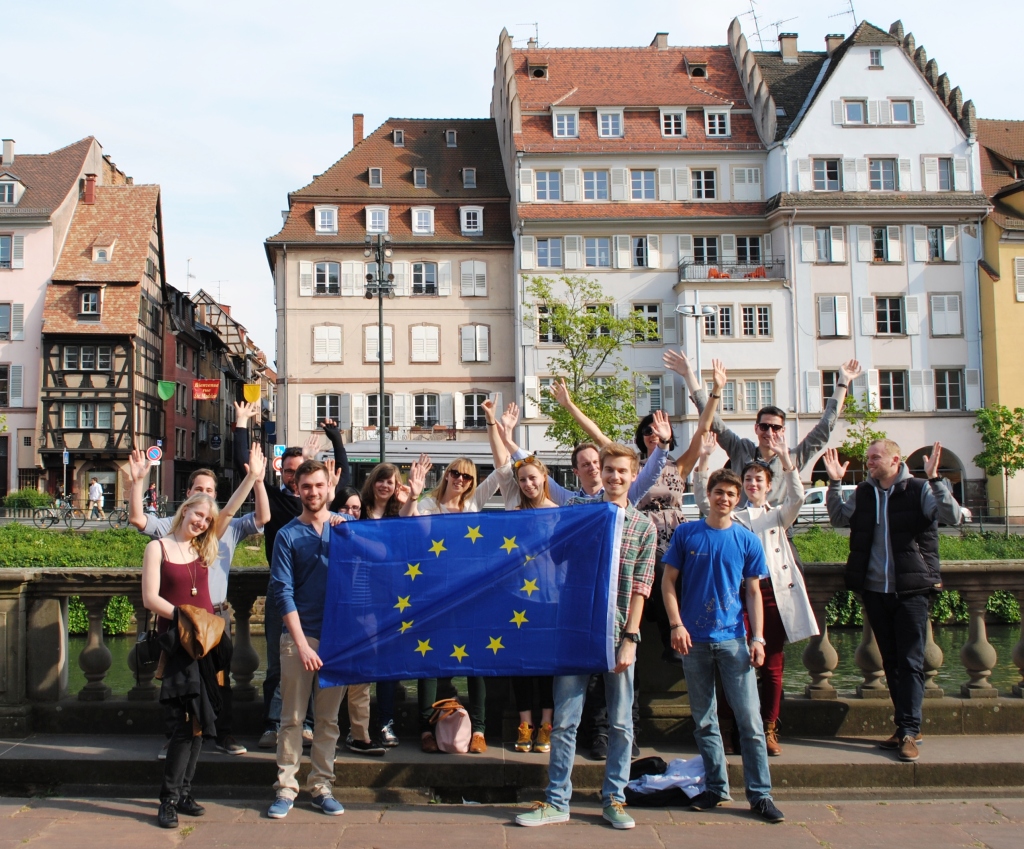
[732, 657]
[570, 691]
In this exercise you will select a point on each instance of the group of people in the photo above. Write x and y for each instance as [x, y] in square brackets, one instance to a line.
[731, 588]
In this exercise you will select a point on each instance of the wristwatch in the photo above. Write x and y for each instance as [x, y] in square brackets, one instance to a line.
[635, 637]
[758, 640]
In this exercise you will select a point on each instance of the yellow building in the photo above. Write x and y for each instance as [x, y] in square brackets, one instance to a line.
[1002, 283]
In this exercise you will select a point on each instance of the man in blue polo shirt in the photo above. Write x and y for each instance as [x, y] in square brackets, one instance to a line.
[718, 558]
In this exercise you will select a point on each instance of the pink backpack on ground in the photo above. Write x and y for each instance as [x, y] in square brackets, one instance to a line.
[452, 728]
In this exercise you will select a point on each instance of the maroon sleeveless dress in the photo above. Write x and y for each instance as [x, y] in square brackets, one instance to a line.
[176, 582]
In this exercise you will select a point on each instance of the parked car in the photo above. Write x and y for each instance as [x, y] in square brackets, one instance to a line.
[690, 509]
[814, 510]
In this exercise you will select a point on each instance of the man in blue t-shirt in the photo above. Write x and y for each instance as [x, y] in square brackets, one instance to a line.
[718, 558]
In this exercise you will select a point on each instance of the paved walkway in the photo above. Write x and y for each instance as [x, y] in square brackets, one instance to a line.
[105, 824]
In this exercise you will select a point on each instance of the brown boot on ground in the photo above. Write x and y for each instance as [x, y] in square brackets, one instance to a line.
[543, 743]
[428, 743]
[477, 745]
[525, 741]
[771, 739]
[908, 749]
[894, 741]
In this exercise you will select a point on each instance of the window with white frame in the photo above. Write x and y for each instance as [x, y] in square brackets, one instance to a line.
[827, 175]
[889, 314]
[719, 323]
[727, 404]
[609, 124]
[946, 182]
[855, 112]
[748, 250]
[638, 251]
[758, 394]
[601, 313]
[945, 315]
[451, 138]
[6, 243]
[376, 177]
[6, 192]
[949, 389]
[902, 111]
[472, 415]
[475, 343]
[597, 253]
[373, 410]
[425, 409]
[371, 348]
[702, 184]
[833, 316]
[328, 406]
[472, 220]
[398, 137]
[942, 244]
[545, 327]
[376, 219]
[549, 253]
[103, 357]
[88, 358]
[705, 250]
[71, 357]
[419, 178]
[875, 57]
[423, 221]
[823, 244]
[829, 379]
[473, 278]
[652, 314]
[5, 386]
[371, 271]
[426, 344]
[327, 278]
[673, 123]
[70, 418]
[326, 219]
[882, 175]
[327, 344]
[756, 321]
[89, 303]
[642, 184]
[716, 123]
[104, 416]
[469, 178]
[595, 185]
[547, 185]
[424, 278]
[566, 124]
[892, 390]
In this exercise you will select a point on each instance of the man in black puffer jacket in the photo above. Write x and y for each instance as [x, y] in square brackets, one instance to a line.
[894, 564]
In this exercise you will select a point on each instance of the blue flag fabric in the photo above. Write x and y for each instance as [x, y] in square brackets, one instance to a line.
[528, 592]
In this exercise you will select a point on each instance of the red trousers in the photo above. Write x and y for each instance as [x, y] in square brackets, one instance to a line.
[769, 681]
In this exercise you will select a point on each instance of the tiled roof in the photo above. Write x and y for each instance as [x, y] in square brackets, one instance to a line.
[789, 84]
[124, 212]
[1005, 138]
[638, 211]
[48, 178]
[869, 200]
[119, 311]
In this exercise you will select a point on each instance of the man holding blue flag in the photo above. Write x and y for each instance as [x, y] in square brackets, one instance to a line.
[619, 467]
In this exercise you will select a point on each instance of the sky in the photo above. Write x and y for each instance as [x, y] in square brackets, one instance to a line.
[230, 105]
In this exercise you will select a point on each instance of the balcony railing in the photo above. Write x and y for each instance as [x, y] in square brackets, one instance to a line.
[770, 268]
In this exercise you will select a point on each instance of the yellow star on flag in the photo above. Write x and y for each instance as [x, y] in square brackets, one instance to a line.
[459, 653]
[495, 644]
[405, 627]
[403, 602]
[519, 618]
[437, 547]
[413, 570]
[528, 587]
[474, 534]
[423, 647]
[529, 558]
[509, 544]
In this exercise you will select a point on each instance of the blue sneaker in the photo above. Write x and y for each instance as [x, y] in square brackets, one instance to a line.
[279, 808]
[328, 805]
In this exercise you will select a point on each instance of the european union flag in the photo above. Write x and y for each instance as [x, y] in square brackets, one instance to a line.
[528, 592]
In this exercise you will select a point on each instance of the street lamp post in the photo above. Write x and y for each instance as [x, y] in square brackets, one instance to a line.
[697, 311]
[384, 284]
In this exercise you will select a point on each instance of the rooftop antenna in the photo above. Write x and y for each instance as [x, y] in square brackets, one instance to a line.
[188, 275]
[778, 24]
[536, 30]
[848, 11]
[218, 282]
[757, 24]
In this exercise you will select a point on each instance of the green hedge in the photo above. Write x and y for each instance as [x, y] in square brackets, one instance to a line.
[117, 619]
[27, 498]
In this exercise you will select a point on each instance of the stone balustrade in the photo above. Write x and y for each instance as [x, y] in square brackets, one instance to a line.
[34, 648]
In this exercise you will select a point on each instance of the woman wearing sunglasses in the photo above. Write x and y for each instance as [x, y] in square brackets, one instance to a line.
[457, 492]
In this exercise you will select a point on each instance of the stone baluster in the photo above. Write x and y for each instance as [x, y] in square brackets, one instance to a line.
[977, 654]
[144, 689]
[869, 660]
[245, 660]
[932, 664]
[95, 658]
[820, 657]
[1018, 650]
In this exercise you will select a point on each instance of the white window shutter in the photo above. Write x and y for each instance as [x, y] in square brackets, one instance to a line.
[912, 307]
[837, 237]
[938, 315]
[669, 324]
[918, 111]
[666, 191]
[404, 409]
[864, 249]
[931, 173]
[653, 251]
[862, 175]
[682, 178]
[307, 409]
[812, 386]
[766, 248]
[350, 278]
[531, 397]
[334, 345]
[873, 392]
[826, 316]
[483, 343]
[306, 278]
[320, 344]
[686, 248]
[403, 279]
[895, 244]
[622, 251]
[728, 242]
[573, 252]
[525, 185]
[389, 351]
[459, 403]
[837, 112]
[418, 354]
[345, 411]
[17, 322]
[444, 278]
[16, 386]
[961, 181]
[370, 343]
[643, 398]
[17, 252]
[1018, 277]
[804, 177]
[842, 315]
[447, 409]
[431, 344]
[884, 112]
[358, 409]
[527, 252]
[949, 242]
[867, 317]
[917, 392]
[808, 248]
[872, 111]
[920, 237]
[466, 276]
[905, 179]
[620, 176]
[467, 339]
[480, 278]
[972, 377]
[668, 393]
[953, 322]
[849, 175]
[571, 184]
[859, 386]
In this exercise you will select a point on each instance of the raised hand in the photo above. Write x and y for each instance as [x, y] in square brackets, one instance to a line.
[245, 411]
[560, 392]
[708, 444]
[778, 444]
[848, 371]
[311, 447]
[931, 461]
[662, 426]
[402, 493]
[677, 362]
[333, 474]
[487, 405]
[329, 423]
[719, 375]
[510, 418]
[138, 466]
[418, 474]
[836, 470]
[257, 465]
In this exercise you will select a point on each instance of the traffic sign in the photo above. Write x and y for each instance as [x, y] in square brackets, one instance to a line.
[67, 458]
[279, 450]
[277, 464]
[160, 443]
[153, 463]
[154, 453]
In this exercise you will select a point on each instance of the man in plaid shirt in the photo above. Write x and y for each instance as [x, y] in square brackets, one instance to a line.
[619, 468]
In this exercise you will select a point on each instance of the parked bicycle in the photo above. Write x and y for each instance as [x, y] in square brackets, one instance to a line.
[62, 511]
[118, 517]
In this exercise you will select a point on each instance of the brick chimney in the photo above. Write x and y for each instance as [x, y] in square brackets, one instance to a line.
[660, 41]
[90, 189]
[531, 44]
[787, 47]
[8, 158]
[357, 128]
[833, 40]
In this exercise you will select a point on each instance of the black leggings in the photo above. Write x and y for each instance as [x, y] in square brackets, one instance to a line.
[524, 685]
[182, 755]
[426, 695]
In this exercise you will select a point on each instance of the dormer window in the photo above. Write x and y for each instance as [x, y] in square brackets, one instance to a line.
[423, 220]
[6, 192]
[376, 219]
[326, 218]
[716, 123]
[101, 256]
[673, 122]
[469, 178]
[451, 138]
[103, 248]
[566, 123]
[376, 178]
[89, 303]
[472, 220]
[698, 69]
[399, 137]
[419, 178]
[537, 71]
[609, 123]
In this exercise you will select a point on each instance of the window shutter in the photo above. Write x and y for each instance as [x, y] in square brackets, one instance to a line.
[619, 177]
[466, 268]
[873, 111]
[527, 252]
[668, 393]
[1018, 276]
[370, 343]
[419, 344]
[837, 237]
[917, 393]
[305, 278]
[622, 251]
[643, 397]
[895, 247]
[849, 175]
[728, 247]
[918, 111]
[682, 177]
[344, 411]
[17, 322]
[666, 191]
[961, 181]
[938, 315]
[404, 410]
[826, 316]
[884, 112]
[766, 248]
[837, 112]
[403, 281]
[459, 403]
[334, 344]
[842, 315]
[920, 236]
[931, 173]
[864, 251]
[307, 406]
[972, 378]
[350, 278]
[432, 344]
[804, 177]
[319, 344]
[812, 386]
[480, 278]
[483, 343]
[953, 323]
[358, 409]
[573, 251]
[808, 249]
[873, 393]
[905, 181]
[686, 249]
[867, 317]
[912, 307]
[669, 331]
[16, 387]
[525, 185]
[862, 175]
[468, 343]
[447, 409]
[949, 242]
[17, 252]
[531, 396]
[444, 278]
[571, 184]
[653, 251]
[859, 386]
[389, 352]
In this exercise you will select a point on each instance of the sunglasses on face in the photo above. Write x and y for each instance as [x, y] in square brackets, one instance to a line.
[648, 431]
[518, 464]
[764, 427]
[454, 475]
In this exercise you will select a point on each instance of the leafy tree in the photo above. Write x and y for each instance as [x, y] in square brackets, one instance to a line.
[1002, 434]
[860, 431]
[576, 312]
